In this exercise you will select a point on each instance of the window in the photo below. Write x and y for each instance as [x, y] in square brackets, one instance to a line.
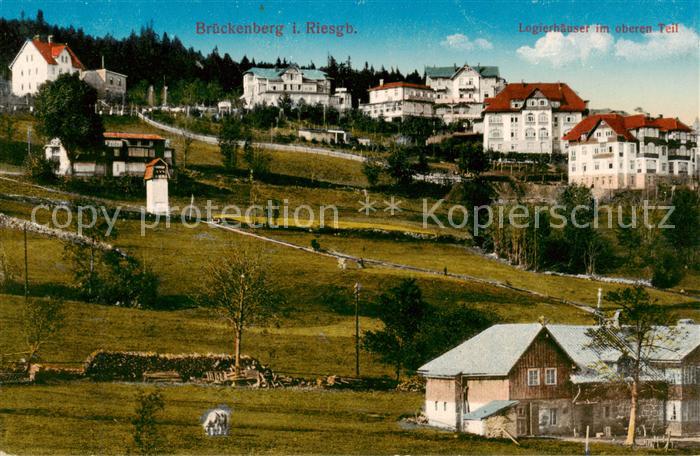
[607, 411]
[542, 118]
[550, 376]
[444, 406]
[530, 133]
[530, 118]
[533, 377]
[436, 406]
[553, 417]
[672, 410]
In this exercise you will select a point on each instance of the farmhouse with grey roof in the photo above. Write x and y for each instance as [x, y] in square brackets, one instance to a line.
[552, 380]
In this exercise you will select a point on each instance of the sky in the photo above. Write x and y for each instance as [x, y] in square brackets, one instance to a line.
[624, 68]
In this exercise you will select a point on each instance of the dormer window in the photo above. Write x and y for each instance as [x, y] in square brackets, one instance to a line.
[543, 102]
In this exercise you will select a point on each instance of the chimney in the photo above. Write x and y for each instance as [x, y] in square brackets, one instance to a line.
[381, 82]
[50, 38]
[103, 62]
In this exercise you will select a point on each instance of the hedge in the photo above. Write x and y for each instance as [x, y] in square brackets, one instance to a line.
[130, 366]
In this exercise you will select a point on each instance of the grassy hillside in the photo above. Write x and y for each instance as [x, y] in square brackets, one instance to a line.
[90, 418]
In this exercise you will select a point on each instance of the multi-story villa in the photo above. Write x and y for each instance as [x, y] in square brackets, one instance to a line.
[460, 91]
[531, 117]
[535, 379]
[611, 151]
[302, 85]
[40, 61]
[398, 100]
[110, 85]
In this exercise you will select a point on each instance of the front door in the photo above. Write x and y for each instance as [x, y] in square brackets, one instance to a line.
[534, 419]
[522, 411]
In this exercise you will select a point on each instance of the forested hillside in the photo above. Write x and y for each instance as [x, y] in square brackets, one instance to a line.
[187, 72]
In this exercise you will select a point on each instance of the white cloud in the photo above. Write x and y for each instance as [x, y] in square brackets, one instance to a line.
[658, 45]
[559, 49]
[461, 42]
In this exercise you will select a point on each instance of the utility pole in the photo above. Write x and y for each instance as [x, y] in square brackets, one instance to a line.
[599, 316]
[29, 140]
[26, 266]
[357, 289]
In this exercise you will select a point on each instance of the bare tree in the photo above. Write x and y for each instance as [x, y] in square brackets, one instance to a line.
[187, 141]
[636, 333]
[43, 320]
[238, 289]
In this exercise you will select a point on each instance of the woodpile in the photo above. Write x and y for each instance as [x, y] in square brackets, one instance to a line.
[162, 377]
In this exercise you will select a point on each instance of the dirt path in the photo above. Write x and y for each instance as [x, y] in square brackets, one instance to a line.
[403, 267]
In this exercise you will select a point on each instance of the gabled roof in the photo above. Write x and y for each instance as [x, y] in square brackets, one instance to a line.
[148, 174]
[275, 74]
[590, 123]
[553, 91]
[440, 72]
[496, 350]
[623, 124]
[669, 124]
[488, 71]
[492, 352]
[393, 85]
[451, 71]
[576, 342]
[489, 409]
[119, 135]
[49, 51]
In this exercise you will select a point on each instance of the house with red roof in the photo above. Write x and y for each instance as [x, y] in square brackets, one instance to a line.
[124, 154]
[40, 61]
[531, 117]
[398, 100]
[612, 151]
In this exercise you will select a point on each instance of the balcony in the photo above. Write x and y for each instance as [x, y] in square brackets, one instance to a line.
[679, 156]
[647, 155]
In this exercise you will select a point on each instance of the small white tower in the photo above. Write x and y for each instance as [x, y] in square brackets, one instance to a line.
[156, 177]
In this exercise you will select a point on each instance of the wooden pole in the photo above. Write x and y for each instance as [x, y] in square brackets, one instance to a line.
[357, 328]
[26, 266]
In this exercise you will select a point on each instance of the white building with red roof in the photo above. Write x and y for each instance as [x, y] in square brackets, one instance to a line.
[531, 117]
[611, 152]
[40, 61]
[398, 100]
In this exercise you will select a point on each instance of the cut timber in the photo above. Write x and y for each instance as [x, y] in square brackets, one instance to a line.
[162, 377]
